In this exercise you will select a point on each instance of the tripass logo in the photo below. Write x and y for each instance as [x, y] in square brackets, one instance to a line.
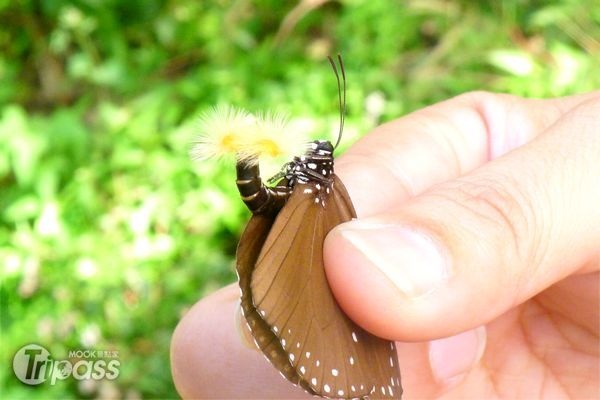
[34, 365]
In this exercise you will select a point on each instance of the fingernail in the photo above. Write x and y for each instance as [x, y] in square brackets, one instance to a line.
[452, 358]
[410, 259]
[242, 328]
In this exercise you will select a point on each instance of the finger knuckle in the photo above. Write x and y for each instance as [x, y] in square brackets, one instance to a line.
[510, 217]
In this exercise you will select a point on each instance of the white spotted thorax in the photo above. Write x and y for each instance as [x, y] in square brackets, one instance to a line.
[316, 165]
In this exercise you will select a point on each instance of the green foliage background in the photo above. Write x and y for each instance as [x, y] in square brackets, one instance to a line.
[108, 232]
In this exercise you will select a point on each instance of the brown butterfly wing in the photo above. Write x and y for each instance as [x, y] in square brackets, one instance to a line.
[331, 354]
[248, 250]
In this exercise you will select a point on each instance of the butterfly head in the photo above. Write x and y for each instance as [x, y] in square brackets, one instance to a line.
[320, 148]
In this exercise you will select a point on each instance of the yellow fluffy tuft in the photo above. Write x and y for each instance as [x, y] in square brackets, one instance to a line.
[265, 137]
[223, 131]
[273, 138]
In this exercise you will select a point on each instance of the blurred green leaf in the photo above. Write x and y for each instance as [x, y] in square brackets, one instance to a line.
[22, 209]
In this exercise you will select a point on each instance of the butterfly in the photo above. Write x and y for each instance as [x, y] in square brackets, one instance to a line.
[285, 298]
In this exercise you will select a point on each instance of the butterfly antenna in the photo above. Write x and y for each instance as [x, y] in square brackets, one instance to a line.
[342, 100]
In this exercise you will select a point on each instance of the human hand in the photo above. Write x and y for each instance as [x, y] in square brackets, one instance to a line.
[479, 223]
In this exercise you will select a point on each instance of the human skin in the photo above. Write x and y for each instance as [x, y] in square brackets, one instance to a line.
[477, 249]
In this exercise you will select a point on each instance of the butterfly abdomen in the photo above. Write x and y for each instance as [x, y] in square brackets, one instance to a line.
[259, 198]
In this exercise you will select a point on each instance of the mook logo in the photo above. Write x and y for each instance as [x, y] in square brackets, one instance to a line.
[33, 365]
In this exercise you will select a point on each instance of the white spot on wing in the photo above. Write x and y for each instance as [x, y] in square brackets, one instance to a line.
[334, 372]
[391, 391]
[275, 329]
[354, 337]
[314, 381]
[351, 360]
[283, 342]
[327, 388]
[340, 392]
[353, 388]
[391, 361]
[308, 190]
[311, 165]
[308, 354]
[298, 345]
[292, 357]
[318, 363]
[302, 369]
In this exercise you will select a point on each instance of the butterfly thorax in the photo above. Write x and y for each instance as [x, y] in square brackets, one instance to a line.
[316, 165]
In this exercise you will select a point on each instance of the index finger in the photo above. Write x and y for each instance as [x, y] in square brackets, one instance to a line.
[403, 158]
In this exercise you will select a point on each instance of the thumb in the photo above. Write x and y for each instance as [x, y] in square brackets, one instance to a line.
[468, 250]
